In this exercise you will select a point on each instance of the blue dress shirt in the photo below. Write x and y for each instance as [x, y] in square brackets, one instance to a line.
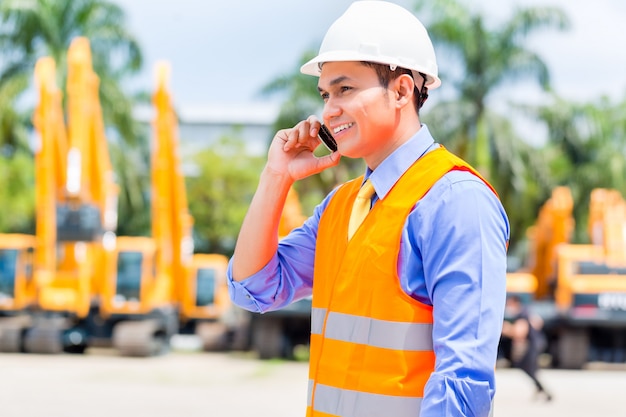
[452, 256]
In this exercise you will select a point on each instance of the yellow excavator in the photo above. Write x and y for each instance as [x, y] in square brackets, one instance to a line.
[536, 280]
[199, 286]
[76, 200]
[27, 260]
[155, 286]
[590, 293]
[578, 289]
[139, 281]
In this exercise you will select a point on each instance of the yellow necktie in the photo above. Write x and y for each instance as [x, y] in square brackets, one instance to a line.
[361, 207]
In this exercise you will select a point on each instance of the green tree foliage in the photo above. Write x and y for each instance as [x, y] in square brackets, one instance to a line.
[220, 193]
[16, 194]
[13, 123]
[34, 28]
[587, 150]
[131, 164]
[16, 162]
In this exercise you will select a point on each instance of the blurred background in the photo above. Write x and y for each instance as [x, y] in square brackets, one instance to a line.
[170, 106]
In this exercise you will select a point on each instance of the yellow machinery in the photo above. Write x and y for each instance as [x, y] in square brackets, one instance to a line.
[200, 289]
[205, 307]
[22, 266]
[76, 201]
[139, 282]
[591, 288]
[17, 288]
[155, 286]
[578, 289]
[554, 226]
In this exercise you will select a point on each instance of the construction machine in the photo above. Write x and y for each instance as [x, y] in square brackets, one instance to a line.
[138, 286]
[534, 283]
[579, 290]
[76, 199]
[206, 308]
[590, 294]
[200, 289]
[28, 260]
[156, 286]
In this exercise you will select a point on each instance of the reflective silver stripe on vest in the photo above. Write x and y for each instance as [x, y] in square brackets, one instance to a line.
[309, 393]
[413, 412]
[317, 320]
[373, 332]
[347, 403]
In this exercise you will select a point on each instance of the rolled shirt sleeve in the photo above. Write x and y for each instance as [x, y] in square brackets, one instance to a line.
[287, 277]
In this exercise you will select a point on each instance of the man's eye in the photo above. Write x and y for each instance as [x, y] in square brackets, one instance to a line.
[324, 96]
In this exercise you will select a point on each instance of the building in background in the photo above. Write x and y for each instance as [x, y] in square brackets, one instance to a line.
[203, 126]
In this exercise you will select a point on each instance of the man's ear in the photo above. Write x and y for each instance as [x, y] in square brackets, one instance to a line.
[404, 88]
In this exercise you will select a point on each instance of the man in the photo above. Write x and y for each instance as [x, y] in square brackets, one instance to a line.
[407, 308]
[527, 342]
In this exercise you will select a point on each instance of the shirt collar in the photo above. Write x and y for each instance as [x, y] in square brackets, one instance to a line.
[396, 164]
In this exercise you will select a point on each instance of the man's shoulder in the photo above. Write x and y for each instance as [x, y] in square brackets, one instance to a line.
[459, 176]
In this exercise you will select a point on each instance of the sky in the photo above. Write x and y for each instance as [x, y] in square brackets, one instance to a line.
[224, 52]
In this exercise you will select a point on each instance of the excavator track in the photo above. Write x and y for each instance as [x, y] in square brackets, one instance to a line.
[44, 340]
[12, 333]
[140, 338]
[46, 335]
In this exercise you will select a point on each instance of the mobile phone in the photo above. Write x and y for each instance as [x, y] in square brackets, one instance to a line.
[327, 139]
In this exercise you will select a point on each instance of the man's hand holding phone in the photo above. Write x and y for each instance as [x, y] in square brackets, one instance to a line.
[292, 150]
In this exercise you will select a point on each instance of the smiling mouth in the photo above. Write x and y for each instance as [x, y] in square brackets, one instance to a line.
[342, 127]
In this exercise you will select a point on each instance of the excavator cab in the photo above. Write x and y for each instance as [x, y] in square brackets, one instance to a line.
[78, 223]
[129, 277]
[207, 294]
[17, 289]
[135, 299]
[206, 308]
[16, 273]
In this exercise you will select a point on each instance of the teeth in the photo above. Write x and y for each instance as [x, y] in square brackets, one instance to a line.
[342, 127]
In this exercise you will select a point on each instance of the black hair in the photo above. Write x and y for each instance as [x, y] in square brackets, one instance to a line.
[386, 75]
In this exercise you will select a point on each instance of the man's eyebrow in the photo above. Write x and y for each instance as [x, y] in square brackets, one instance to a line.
[335, 81]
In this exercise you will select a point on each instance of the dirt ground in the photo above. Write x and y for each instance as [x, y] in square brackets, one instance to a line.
[194, 384]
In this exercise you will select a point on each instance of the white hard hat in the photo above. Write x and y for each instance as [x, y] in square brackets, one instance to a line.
[382, 32]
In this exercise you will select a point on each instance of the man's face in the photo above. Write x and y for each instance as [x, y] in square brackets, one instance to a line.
[360, 113]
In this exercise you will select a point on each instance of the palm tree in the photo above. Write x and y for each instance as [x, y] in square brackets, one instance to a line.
[13, 132]
[34, 28]
[489, 58]
[587, 146]
[16, 163]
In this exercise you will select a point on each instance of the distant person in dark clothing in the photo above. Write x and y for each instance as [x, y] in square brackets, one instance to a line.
[527, 341]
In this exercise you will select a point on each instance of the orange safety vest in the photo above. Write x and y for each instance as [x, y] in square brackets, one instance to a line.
[371, 343]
